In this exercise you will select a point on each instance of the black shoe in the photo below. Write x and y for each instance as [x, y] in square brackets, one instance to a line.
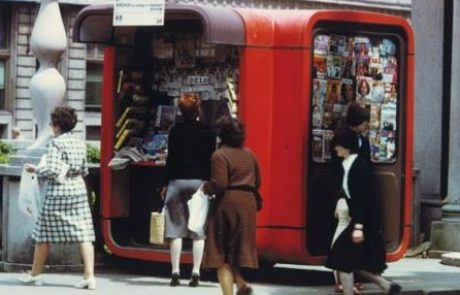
[175, 280]
[245, 290]
[194, 280]
[394, 289]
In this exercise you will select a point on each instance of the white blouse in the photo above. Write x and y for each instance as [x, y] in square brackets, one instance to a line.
[346, 167]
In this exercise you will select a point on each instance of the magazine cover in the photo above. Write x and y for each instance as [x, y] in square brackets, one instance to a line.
[163, 49]
[332, 95]
[391, 93]
[317, 145]
[390, 146]
[320, 66]
[327, 144]
[363, 89]
[319, 91]
[374, 145]
[362, 68]
[321, 45]
[349, 47]
[362, 48]
[387, 48]
[388, 117]
[347, 91]
[185, 52]
[378, 92]
[348, 68]
[374, 120]
[334, 67]
[166, 117]
[317, 116]
[337, 45]
[390, 66]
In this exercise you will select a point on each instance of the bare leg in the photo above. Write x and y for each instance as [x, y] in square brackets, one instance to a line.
[175, 247]
[198, 249]
[376, 279]
[238, 278]
[347, 282]
[87, 254]
[40, 255]
[226, 279]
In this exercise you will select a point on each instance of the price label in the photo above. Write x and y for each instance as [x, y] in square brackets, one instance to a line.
[138, 12]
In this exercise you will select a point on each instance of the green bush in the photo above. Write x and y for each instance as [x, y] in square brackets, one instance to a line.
[6, 150]
[93, 155]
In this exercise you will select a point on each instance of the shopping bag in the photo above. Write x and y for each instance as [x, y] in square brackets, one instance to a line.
[29, 197]
[198, 207]
[157, 227]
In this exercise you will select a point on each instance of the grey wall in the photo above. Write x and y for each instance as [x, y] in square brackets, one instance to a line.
[454, 136]
[428, 23]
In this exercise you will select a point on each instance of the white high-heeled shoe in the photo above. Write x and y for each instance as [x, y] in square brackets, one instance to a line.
[30, 279]
[89, 283]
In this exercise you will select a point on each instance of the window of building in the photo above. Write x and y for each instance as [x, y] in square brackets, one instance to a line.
[94, 57]
[4, 51]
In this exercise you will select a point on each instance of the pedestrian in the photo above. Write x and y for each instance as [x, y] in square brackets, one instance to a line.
[358, 246]
[190, 146]
[231, 240]
[65, 216]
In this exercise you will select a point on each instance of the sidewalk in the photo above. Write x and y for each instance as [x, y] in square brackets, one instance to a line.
[417, 276]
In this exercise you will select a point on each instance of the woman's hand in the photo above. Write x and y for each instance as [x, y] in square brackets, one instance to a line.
[29, 168]
[357, 236]
[163, 193]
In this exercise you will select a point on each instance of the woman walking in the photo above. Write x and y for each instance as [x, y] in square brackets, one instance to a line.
[190, 146]
[231, 242]
[358, 245]
[65, 216]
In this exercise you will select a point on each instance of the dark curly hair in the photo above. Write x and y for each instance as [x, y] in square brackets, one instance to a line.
[231, 132]
[64, 117]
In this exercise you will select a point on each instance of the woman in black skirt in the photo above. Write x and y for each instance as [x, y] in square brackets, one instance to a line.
[357, 247]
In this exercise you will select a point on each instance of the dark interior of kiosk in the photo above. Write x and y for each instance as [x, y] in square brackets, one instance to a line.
[150, 76]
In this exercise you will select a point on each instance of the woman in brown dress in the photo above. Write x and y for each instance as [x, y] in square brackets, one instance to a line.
[231, 240]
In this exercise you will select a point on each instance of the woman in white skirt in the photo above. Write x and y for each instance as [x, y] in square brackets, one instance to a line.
[65, 216]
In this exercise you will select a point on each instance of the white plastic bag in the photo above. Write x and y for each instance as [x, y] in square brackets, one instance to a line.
[198, 207]
[29, 197]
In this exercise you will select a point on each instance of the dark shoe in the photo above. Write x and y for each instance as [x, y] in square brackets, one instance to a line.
[394, 289]
[245, 290]
[194, 280]
[175, 280]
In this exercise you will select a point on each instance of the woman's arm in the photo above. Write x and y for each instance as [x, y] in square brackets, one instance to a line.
[53, 163]
[219, 175]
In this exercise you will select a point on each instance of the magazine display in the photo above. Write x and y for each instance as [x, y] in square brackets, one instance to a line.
[355, 69]
[149, 86]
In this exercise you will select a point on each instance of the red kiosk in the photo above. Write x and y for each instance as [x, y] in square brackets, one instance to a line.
[282, 75]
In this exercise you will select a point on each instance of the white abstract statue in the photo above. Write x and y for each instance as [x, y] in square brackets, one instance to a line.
[47, 87]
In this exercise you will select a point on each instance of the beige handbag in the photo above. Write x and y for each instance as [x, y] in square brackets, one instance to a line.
[157, 227]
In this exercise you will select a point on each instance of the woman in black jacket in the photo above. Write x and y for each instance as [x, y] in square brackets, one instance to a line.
[357, 247]
[190, 146]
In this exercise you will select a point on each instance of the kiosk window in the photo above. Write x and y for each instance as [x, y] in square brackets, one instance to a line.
[354, 69]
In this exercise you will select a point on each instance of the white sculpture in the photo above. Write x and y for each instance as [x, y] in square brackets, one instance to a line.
[47, 87]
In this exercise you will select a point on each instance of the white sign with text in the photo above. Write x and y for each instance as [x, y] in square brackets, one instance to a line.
[138, 12]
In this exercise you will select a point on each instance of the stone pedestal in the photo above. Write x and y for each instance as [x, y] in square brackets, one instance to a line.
[17, 245]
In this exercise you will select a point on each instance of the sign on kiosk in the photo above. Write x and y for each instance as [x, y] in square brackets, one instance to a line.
[138, 12]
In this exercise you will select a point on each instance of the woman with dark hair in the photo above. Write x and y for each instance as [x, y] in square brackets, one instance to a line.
[357, 245]
[231, 242]
[65, 216]
[190, 146]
